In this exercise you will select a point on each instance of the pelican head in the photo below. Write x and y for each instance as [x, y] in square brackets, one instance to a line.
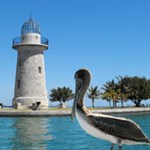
[82, 80]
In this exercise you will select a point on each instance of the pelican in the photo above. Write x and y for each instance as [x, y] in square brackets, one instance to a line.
[116, 130]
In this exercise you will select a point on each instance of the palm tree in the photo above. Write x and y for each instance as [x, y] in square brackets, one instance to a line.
[106, 96]
[122, 88]
[115, 97]
[93, 93]
[110, 92]
[61, 94]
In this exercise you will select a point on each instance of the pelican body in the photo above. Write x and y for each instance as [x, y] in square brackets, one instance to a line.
[116, 130]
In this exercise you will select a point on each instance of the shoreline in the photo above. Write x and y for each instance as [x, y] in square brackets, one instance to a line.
[67, 112]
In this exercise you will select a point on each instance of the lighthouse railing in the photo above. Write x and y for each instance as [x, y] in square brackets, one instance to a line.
[44, 41]
[18, 41]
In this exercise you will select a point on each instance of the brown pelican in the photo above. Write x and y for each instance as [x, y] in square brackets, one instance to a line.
[117, 130]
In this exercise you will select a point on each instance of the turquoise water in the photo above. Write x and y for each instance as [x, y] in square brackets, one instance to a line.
[57, 133]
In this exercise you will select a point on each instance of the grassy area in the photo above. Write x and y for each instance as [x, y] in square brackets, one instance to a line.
[55, 108]
[49, 109]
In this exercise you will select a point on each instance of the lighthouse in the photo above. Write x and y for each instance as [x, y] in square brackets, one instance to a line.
[30, 84]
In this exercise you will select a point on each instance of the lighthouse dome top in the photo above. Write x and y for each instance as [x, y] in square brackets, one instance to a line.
[30, 26]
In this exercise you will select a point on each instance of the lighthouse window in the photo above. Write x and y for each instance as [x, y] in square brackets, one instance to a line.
[20, 63]
[40, 70]
[18, 84]
[36, 37]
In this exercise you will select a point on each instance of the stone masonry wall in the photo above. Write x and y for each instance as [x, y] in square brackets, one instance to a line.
[30, 83]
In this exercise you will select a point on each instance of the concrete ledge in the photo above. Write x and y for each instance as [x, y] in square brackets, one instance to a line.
[59, 113]
[30, 113]
[132, 110]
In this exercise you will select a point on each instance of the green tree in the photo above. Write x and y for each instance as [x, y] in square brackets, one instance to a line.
[93, 93]
[61, 95]
[139, 89]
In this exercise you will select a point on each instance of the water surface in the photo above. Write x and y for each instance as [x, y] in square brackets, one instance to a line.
[57, 133]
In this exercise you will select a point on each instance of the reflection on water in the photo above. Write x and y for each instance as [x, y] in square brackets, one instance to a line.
[31, 133]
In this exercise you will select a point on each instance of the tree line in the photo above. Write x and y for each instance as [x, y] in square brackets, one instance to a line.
[118, 90]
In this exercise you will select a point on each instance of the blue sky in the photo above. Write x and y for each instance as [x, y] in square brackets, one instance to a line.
[108, 37]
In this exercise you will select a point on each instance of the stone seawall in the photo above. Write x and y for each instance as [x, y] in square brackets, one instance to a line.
[61, 112]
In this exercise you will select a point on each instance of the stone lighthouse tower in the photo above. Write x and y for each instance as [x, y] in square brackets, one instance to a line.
[30, 84]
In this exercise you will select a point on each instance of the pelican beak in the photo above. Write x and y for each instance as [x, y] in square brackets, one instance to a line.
[74, 104]
[73, 109]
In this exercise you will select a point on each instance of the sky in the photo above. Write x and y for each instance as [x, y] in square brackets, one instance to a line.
[109, 38]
